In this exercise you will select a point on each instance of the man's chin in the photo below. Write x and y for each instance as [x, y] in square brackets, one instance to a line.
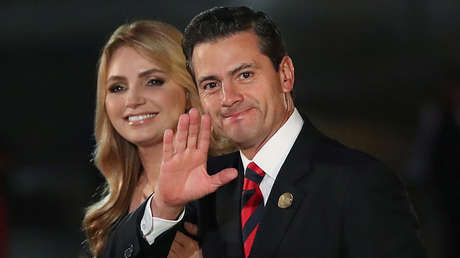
[238, 137]
[237, 132]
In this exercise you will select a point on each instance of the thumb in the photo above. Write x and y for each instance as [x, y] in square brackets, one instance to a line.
[224, 176]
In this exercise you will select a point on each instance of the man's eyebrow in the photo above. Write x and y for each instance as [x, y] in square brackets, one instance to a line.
[241, 67]
[207, 78]
[232, 72]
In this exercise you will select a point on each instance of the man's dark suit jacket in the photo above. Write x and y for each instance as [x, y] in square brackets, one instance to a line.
[346, 204]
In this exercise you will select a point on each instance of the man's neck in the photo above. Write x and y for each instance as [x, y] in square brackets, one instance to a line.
[251, 152]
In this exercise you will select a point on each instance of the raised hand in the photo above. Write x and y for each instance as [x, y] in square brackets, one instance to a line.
[183, 176]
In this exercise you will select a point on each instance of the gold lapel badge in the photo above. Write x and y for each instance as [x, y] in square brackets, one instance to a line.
[285, 200]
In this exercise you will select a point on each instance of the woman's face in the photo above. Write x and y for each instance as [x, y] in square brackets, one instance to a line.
[142, 100]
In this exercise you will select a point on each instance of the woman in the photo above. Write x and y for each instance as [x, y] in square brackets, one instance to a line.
[142, 89]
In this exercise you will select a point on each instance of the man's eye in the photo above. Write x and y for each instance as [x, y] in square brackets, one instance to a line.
[155, 82]
[245, 75]
[116, 88]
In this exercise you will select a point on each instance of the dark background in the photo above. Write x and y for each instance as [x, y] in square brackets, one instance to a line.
[365, 71]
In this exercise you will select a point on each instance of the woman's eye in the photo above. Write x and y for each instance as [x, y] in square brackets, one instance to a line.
[116, 88]
[209, 86]
[155, 82]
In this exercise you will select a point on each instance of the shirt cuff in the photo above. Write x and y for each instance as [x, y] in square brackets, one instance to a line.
[152, 227]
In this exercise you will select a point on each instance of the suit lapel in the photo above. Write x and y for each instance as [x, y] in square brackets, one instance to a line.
[276, 220]
[228, 205]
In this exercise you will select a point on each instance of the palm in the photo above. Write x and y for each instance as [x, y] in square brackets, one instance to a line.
[183, 174]
[184, 177]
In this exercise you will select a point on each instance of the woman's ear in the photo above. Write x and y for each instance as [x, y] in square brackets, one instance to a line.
[286, 73]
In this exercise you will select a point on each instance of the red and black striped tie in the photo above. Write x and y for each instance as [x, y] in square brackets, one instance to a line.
[252, 205]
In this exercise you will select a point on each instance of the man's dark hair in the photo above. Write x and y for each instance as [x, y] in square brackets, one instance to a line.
[221, 22]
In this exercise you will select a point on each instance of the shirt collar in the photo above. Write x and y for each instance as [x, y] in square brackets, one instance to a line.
[271, 156]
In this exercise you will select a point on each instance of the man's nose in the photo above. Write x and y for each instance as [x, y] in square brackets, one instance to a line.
[230, 94]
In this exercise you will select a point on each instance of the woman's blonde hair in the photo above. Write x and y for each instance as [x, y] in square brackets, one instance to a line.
[117, 159]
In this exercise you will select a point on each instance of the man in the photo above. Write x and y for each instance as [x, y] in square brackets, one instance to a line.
[296, 193]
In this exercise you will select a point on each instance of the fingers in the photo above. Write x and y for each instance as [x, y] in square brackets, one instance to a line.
[175, 250]
[205, 133]
[168, 148]
[180, 141]
[193, 128]
[223, 177]
[188, 128]
[180, 239]
[191, 228]
[190, 134]
[183, 244]
[172, 252]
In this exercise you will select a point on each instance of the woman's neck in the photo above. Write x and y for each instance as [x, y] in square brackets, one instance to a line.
[151, 161]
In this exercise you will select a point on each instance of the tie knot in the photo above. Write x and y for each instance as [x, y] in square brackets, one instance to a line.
[254, 173]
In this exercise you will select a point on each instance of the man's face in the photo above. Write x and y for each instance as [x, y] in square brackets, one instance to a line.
[240, 89]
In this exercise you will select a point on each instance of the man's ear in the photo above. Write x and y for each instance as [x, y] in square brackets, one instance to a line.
[286, 72]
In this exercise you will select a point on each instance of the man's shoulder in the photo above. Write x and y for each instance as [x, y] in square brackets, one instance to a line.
[331, 155]
[324, 149]
[334, 152]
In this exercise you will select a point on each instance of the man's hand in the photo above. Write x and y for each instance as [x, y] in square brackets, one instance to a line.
[183, 173]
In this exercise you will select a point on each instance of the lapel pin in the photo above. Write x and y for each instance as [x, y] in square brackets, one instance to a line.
[285, 200]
